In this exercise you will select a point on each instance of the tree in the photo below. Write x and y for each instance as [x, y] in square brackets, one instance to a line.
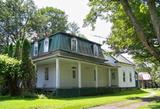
[15, 16]
[27, 66]
[17, 51]
[49, 20]
[73, 28]
[10, 50]
[20, 19]
[135, 25]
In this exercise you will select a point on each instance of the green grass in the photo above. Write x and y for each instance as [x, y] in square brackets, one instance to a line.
[7, 102]
[153, 104]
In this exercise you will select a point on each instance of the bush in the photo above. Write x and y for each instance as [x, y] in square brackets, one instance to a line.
[10, 71]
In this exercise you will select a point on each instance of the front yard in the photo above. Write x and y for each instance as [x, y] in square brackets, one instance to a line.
[154, 104]
[7, 102]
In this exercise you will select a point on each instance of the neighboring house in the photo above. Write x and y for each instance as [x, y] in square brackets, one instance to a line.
[70, 65]
[145, 80]
[126, 70]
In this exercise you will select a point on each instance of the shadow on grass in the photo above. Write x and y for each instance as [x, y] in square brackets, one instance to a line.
[122, 93]
[7, 97]
[155, 105]
[155, 101]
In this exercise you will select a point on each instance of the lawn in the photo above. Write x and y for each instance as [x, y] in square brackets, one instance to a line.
[7, 102]
[155, 104]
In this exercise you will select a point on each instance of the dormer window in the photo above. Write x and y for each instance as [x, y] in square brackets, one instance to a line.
[46, 44]
[74, 44]
[35, 49]
[95, 50]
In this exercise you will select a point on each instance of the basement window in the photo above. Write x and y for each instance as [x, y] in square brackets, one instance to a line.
[74, 44]
[46, 73]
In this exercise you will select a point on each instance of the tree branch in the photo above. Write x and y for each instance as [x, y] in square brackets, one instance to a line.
[154, 18]
[138, 29]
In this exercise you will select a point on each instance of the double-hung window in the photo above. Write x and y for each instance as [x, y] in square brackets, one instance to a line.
[74, 44]
[35, 49]
[46, 44]
[130, 77]
[46, 73]
[95, 50]
[124, 77]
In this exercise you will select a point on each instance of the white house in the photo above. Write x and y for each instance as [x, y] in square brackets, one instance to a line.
[70, 65]
[126, 70]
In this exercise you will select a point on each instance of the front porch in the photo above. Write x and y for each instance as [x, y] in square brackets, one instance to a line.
[77, 75]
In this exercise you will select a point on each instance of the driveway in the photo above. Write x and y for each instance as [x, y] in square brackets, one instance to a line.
[133, 103]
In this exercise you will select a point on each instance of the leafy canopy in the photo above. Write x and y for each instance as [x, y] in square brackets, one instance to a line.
[133, 29]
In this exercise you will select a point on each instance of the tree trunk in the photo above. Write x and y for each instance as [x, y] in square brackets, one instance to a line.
[139, 29]
[13, 88]
[154, 17]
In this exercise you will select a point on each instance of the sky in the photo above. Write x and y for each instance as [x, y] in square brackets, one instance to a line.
[76, 11]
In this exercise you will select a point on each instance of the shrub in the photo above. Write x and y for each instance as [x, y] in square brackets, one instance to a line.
[10, 70]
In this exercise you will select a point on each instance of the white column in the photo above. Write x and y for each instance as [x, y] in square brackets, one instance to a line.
[96, 70]
[57, 73]
[79, 75]
[109, 77]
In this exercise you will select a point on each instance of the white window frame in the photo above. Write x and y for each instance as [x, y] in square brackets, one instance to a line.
[35, 53]
[46, 44]
[95, 50]
[74, 47]
[74, 72]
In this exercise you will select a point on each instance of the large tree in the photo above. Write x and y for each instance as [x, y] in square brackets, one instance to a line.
[135, 28]
[49, 20]
[27, 66]
[14, 18]
[20, 19]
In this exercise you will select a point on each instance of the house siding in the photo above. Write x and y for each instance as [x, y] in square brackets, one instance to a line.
[127, 69]
[41, 82]
[66, 77]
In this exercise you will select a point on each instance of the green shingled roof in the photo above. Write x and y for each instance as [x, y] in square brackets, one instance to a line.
[62, 41]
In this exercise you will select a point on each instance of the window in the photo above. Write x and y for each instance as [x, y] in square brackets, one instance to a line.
[95, 50]
[130, 77]
[94, 75]
[46, 44]
[74, 72]
[35, 49]
[124, 77]
[74, 44]
[50, 43]
[46, 73]
[113, 76]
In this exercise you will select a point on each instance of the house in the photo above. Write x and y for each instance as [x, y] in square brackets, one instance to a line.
[70, 65]
[126, 74]
[145, 80]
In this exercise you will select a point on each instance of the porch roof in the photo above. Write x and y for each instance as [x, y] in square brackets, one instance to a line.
[74, 56]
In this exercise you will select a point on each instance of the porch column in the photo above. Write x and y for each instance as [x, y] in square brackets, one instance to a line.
[109, 78]
[57, 73]
[96, 71]
[79, 75]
